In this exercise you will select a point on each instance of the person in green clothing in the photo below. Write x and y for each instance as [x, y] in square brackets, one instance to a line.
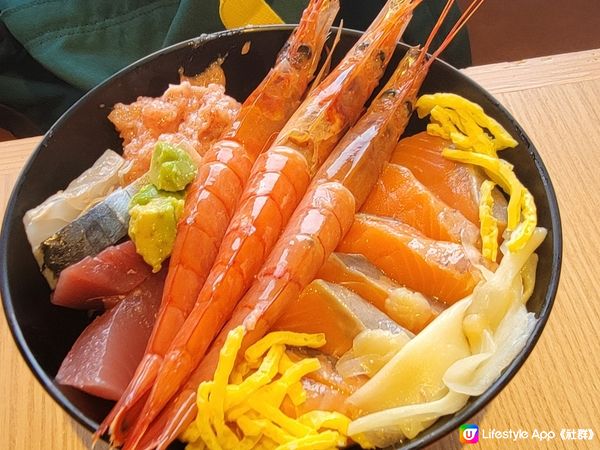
[53, 51]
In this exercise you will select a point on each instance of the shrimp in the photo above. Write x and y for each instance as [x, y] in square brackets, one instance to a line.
[216, 190]
[278, 181]
[317, 225]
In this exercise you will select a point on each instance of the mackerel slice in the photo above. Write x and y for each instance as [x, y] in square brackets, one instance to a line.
[99, 227]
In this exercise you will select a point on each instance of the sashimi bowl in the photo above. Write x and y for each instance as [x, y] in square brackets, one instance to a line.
[44, 333]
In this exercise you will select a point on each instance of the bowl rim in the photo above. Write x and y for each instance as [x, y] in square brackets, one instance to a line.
[427, 436]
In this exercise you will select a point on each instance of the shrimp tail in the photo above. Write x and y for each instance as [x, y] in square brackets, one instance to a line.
[171, 422]
[116, 421]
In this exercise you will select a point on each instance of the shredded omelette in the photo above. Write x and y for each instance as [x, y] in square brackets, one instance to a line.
[240, 407]
[477, 138]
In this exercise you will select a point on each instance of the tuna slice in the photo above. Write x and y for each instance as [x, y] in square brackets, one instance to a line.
[113, 272]
[103, 359]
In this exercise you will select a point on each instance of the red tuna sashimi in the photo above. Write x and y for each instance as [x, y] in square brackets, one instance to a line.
[103, 359]
[113, 272]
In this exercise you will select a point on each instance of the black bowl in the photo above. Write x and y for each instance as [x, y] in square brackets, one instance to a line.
[44, 333]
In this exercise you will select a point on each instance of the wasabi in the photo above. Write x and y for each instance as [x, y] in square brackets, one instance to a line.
[156, 208]
[153, 217]
[171, 169]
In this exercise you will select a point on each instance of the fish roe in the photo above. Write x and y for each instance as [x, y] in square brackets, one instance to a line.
[186, 115]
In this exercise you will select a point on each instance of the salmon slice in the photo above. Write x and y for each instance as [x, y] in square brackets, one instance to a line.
[338, 312]
[456, 184]
[326, 389]
[399, 194]
[411, 310]
[435, 268]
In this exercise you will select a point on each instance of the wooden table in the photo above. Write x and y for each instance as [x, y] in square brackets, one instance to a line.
[557, 100]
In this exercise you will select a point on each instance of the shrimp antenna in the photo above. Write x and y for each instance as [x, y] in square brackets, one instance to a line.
[464, 18]
[455, 29]
[437, 25]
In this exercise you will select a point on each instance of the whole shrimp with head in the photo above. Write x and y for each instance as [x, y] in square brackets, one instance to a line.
[317, 225]
[212, 197]
[278, 181]
[328, 208]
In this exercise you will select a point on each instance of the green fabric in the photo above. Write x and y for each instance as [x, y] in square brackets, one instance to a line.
[55, 50]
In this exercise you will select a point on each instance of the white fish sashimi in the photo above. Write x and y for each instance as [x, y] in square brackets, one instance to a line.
[65, 206]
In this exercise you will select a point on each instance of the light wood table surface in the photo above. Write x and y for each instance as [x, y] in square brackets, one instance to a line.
[557, 101]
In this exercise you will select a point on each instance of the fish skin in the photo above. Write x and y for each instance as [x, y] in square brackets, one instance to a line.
[101, 226]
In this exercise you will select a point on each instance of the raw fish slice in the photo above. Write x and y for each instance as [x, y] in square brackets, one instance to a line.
[65, 206]
[323, 397]
[356, 273]
[454, 183]
[103, 359]
[398, 194]
[332, 309]
[113, 272]
[326, 389]
[102, 225]
[438, 269]
[409, 309]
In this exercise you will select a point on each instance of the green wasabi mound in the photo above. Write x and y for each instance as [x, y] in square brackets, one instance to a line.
[153, 216]
[156, 208]
[171, 169]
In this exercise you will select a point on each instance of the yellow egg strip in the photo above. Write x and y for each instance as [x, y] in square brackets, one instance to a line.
[263, 375]
[272, 431]
[191, 433]
[238, 373]
[296, 393]
[285, 363]
[254, 352]
[266, 444]
[216, 400]
[297, 371]
[198, 445]
[272, 393]
[500, 139]
[489, 224]
[499, 171]
[275, 415]
[322, 441]
[248, 425]
[249, 442]
[525, 230]
[203, 420]
[252, 406]
[326, 419]
[469, 128]
[460, 127]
